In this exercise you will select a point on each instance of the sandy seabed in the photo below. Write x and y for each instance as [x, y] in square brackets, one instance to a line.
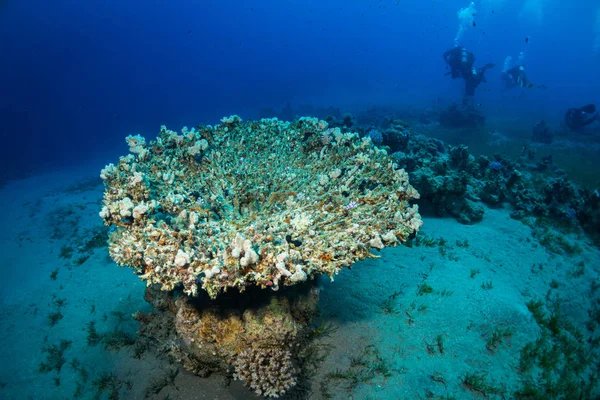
[410, 324]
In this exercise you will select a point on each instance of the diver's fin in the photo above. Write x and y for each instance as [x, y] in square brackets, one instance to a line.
[588, 108]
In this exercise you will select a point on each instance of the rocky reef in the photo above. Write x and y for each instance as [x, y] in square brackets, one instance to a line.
[461, 115]
[217, 213]
[255, 336]
[453, 182]
[542, 133]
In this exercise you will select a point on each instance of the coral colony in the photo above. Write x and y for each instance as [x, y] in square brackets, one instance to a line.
[239, 207]
[495, 166]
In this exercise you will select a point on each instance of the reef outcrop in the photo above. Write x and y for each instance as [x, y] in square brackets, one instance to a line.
[218, 210]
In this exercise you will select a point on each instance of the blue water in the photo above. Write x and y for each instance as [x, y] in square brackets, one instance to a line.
[77, 77]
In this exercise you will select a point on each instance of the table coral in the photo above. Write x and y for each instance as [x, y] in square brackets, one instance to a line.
[266, 203]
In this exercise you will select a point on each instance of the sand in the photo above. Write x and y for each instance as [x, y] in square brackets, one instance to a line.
[400, 341]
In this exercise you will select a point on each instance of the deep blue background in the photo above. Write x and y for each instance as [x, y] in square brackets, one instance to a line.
[77, 76]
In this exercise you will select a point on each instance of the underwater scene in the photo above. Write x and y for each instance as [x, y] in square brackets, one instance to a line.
[371, 199]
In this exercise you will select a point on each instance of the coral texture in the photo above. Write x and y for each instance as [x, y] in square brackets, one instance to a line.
[269, 372]
[451, 181]
[256, 335]
[264, 203]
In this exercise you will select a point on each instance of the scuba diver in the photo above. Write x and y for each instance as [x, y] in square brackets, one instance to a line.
[516, 76]
[460, 62]
[578, 118]
[474, 78]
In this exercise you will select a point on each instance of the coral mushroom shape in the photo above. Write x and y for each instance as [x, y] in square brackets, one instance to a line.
[266, 203]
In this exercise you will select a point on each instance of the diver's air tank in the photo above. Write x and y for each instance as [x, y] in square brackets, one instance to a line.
[463, 55]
